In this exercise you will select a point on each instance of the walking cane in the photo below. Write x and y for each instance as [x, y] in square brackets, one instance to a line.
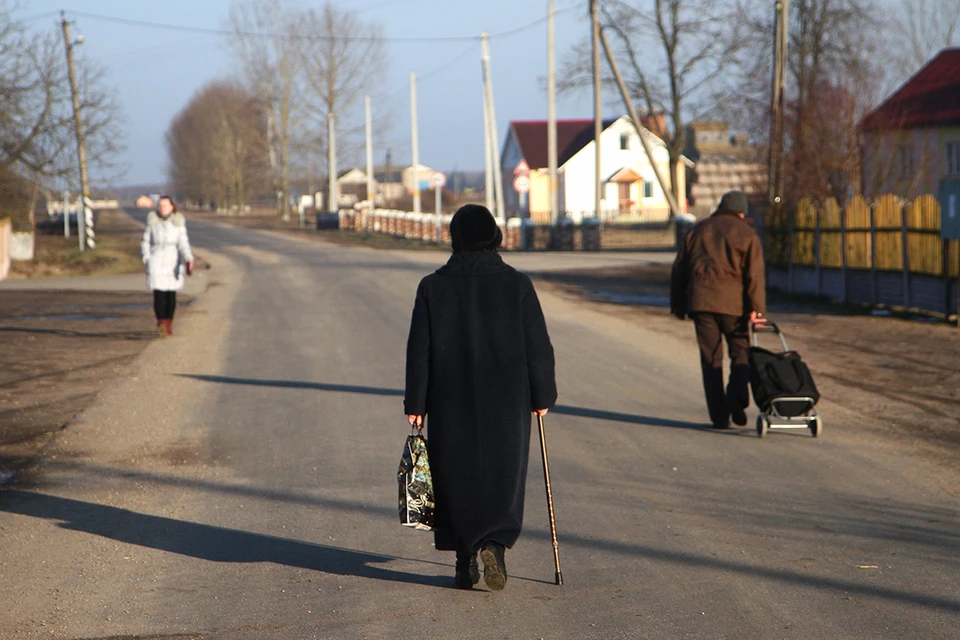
[553, 522]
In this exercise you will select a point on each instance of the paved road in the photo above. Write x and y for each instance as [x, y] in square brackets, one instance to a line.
[239, 484]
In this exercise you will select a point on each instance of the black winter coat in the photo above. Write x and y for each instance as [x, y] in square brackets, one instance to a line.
[479, 361]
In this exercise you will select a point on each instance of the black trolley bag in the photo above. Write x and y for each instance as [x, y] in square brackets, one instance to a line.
[782, 386]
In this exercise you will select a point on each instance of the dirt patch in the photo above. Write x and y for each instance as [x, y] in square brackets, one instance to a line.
[117, 251]
[59, 349]
[900, 372]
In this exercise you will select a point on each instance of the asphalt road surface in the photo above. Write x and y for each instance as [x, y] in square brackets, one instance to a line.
[240, 483]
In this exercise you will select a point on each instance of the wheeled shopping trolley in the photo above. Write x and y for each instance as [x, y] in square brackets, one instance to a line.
[782, 386]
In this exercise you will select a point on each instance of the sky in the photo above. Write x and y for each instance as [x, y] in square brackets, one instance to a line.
[155, 72]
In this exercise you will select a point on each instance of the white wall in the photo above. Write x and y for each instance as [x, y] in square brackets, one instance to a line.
[578, 183]
[411, 177]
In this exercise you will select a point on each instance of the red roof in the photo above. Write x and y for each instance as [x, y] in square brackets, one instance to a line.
[572, 136]
[931, 98]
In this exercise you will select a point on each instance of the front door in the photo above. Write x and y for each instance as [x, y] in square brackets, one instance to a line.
[624, 196]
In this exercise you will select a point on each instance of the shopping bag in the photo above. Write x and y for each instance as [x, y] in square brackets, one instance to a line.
[416, 485]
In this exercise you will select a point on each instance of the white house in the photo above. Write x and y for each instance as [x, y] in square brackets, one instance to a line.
[629, 185]
[418, 176]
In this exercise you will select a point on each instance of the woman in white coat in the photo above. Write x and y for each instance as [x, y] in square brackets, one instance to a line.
[166, 254]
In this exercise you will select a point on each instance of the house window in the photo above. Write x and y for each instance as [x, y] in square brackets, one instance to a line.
[624, 141]
[647, 189]
[953, 159]
[904, 160]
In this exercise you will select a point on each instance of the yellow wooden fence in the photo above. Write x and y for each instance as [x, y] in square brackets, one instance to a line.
[871, 236]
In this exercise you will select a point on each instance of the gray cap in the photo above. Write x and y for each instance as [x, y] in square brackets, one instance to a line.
[734, 201]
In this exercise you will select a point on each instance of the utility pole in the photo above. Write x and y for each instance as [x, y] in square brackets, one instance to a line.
[414, 142]
[66, 214]
[664, 185]
[597, 109]
[487, 154]
[370, 194]
[272, 153]
[332, 164]
[492, 122]
[775, 162]
[84, 213]
[552, 113]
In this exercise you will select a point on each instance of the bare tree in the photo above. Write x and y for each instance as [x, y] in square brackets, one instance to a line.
[268, 38]
[344, 61]
[36, 110]
[217, 147]
[931, 25]
[676, 56]
[836, 70]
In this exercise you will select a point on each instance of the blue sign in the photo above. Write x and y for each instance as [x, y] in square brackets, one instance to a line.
[950, 209]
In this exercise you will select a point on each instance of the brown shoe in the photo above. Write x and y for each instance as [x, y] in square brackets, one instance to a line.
[494, 568]
[161, 329]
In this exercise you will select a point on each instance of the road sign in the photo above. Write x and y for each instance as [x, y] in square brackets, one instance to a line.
[521, 184]
[438, 180]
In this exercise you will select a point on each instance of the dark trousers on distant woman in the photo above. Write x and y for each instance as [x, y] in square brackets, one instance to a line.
[164, 304]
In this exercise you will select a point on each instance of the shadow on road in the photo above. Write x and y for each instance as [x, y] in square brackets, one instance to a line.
[564, 410]
[650, 421]
[883, 521]
[296, 384]
[131, 335]
[206, 542]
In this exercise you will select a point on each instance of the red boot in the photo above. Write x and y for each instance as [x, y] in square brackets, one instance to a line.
[168, 325]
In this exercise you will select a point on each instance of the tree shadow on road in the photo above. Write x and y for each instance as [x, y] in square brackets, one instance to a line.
[295, 384]
[564, 410]
[630, 418]
[207, 542]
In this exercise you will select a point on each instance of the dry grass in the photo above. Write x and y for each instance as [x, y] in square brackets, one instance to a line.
[117, 252]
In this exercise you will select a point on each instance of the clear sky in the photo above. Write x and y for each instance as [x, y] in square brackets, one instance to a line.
[156, 71]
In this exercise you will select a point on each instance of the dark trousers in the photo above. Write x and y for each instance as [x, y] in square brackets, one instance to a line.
[164, 304]
[712, 330]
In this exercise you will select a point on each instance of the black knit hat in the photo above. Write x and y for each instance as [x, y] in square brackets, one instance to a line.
[734, 202]
[473, 228]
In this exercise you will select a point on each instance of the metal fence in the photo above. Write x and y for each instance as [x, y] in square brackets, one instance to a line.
[649, 215]
[886, 253]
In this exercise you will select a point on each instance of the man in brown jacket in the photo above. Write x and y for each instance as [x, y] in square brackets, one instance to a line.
[718, 280]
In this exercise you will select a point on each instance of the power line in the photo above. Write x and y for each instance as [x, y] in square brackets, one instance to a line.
[41, 16]
[166, 47]
[227, 32]
[380, 5]
[449, 64]
[434, 72]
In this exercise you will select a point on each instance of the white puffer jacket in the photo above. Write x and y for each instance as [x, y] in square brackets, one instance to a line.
[166, 251]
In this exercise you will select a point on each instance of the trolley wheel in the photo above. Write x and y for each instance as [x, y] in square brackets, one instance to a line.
[816, 426]
[763, 424]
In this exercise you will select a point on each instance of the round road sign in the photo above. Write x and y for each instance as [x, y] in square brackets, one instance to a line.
[438, 179]
[521, 183]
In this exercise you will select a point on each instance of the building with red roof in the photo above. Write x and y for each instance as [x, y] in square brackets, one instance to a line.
[912, 140]
[629, 184]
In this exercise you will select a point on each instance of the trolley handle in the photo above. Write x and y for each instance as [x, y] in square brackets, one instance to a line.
[766, 326]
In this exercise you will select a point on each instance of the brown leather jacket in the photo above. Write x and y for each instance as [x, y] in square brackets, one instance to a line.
[719, 269]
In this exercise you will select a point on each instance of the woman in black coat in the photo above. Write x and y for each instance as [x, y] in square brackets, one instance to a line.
[479, 365]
